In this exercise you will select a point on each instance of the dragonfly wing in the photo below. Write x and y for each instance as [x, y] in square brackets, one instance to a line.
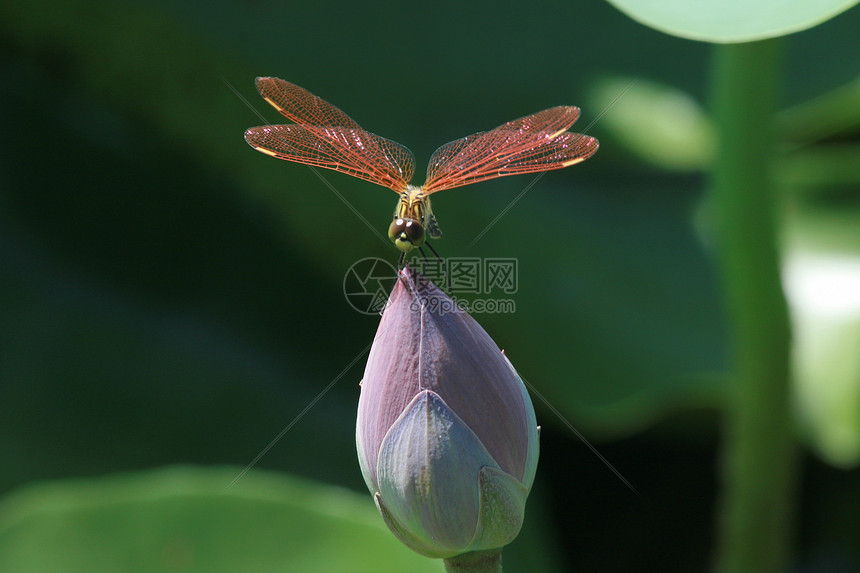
[538, 142]
[348, 150]
[301, 106]
[324, 136]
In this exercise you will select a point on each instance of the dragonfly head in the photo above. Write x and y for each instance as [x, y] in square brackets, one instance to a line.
[407, 234]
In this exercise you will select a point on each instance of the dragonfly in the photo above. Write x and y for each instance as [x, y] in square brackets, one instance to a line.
[321, 135]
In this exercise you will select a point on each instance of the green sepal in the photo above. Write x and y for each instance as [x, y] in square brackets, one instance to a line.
[503, 504]
[405, 536]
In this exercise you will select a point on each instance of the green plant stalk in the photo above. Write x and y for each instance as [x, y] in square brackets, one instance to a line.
[475, 562]
[759, 454]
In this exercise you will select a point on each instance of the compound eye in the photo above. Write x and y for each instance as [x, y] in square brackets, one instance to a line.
[397, 227]
[415, 232]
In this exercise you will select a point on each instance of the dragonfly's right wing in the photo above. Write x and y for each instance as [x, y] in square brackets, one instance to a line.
[324, 136]
[354, 152]
[301, 106]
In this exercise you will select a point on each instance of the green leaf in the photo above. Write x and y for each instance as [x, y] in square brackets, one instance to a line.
[660, 124]
[834, 113]
[731, 20]
[820, 167]
[186, 519]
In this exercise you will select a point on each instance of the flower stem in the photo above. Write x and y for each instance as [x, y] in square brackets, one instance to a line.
[759, 452]
[475, 562]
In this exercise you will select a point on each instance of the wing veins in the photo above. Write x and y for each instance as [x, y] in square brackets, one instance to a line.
[324, 136]
[537, 142]
[364, 155]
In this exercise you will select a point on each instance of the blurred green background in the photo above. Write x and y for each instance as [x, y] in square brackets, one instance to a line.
[171, 300]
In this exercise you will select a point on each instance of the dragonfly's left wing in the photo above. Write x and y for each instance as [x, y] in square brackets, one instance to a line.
[534, 143]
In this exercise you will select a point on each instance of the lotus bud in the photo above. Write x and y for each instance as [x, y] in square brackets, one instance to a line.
[446, 433]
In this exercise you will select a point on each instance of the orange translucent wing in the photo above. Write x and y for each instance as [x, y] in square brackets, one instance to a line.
[537, 142]
[352, 151]
[301, 106]
[324, 136]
